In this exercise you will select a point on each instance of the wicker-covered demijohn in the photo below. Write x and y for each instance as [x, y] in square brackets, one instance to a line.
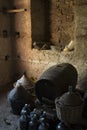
[69, 107]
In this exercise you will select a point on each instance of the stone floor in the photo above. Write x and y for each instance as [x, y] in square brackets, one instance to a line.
[8, 121]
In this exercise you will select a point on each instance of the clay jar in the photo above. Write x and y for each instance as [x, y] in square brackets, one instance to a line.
[24, 81]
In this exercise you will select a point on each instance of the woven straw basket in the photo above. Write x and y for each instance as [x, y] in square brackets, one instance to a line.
[69, 114]
[69, 106]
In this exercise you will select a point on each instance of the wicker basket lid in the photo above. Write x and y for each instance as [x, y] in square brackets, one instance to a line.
[70, 98]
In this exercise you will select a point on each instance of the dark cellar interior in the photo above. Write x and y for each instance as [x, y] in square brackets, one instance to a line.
[43, 52]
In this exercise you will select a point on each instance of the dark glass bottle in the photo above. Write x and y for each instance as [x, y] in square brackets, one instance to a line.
[33, 124]
[62, 126]
[32, 113]
[35, 111]
[23, 121]
[85, 105]
[26, 108]
[43, 114]
[43, 125]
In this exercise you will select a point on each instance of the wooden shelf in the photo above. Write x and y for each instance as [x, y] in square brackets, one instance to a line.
[15, 10]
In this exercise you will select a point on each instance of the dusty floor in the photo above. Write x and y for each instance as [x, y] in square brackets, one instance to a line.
[8, 121]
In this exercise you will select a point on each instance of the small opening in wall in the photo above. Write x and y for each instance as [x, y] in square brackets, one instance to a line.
[40, 24]
[18, 56]
[5, 33]
[17, 34]
[25, 9]
[7, 57]
[50, 24]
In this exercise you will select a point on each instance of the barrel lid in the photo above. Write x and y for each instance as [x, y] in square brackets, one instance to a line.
[70, 98]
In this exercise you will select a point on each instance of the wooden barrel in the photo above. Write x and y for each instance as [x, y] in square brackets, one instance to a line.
[55, 81]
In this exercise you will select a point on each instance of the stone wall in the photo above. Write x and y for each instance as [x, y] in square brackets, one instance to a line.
[6, 64]
[62, 22]
[43, 29]
[81, 42]
[36, 61]
[53, 21]
[27, 26]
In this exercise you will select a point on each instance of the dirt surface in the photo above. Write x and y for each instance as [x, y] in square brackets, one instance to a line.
[8, 121]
